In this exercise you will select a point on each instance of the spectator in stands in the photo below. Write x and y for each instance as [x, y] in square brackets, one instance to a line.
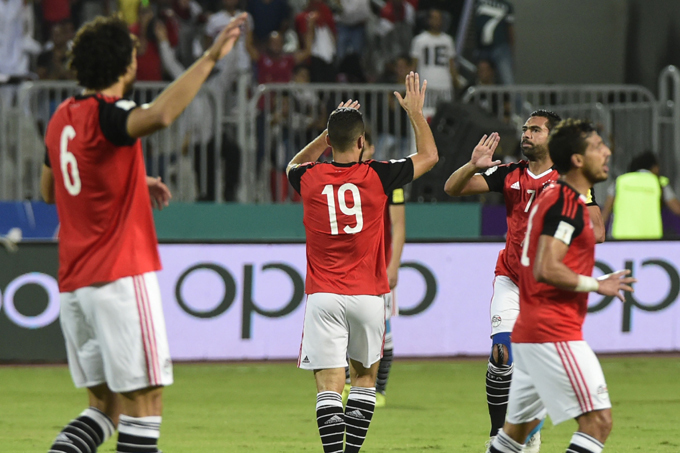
[52, 63]
[393, 128]
[433, 52]
[451, 13]
[13, 59]
[486, 74]
[268, 16]
[190, 17]
[397, 20]
[322, 69]
[352, 19]
[276, 66]
[148, 29]
[636, 198]
[238, 61]
[53, 12]
[494, 21]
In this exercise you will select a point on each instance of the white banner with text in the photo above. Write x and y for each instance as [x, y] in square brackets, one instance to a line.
[232, 302]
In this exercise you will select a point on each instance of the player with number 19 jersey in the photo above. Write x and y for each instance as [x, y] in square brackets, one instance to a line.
[106, 225]
[344, 206]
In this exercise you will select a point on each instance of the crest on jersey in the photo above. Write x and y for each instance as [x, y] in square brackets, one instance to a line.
[496, 320]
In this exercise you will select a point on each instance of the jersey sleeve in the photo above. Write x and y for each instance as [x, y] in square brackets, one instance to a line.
[590, 198]
[563, 221]
[393, 174]
[397, 197]
[295, 175]
[416, 48]
[113, 121]
[495, 177]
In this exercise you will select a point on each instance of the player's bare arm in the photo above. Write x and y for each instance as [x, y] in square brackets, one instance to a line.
[398, 219]
[598, 223]
[316, 147]
[175, 98]
[426, 150]
[159, 192]
[47, 184]
[549, 268]
[466, 180]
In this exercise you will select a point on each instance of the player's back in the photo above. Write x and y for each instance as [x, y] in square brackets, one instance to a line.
[106, 224]
[547, 313]
[344, 206]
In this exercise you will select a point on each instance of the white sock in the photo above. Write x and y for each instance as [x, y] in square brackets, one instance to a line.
[582, 443]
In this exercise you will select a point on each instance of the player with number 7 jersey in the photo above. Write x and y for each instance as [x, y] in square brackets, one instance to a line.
[344, 203]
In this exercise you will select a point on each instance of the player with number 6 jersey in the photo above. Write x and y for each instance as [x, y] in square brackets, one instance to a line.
[344, 202]
[111, 313]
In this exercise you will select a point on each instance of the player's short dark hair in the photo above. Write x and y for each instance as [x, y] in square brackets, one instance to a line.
[643, 161]
[345, 126]
[101, 52]
[568, 138]
[552, 117]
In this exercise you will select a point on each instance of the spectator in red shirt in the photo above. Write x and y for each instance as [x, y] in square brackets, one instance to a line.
[323, 51]
[275, 66]
[149, 64]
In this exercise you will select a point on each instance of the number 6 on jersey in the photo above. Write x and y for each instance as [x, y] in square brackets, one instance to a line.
[72, 180]
[353, 211]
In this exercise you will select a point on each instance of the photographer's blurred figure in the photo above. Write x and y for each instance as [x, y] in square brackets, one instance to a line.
[636, 199]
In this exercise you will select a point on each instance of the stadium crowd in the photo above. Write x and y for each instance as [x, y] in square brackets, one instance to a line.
[335, 40]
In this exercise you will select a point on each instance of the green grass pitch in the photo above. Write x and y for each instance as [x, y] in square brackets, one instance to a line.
[431, 406]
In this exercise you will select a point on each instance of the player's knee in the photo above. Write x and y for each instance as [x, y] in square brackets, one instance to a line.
[501, 352]
[598, 424]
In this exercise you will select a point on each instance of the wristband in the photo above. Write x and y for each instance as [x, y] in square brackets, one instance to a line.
[586, 284]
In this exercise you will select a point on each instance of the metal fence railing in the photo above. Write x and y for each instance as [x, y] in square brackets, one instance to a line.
[186, 155]
[235, 144]
[630, 118]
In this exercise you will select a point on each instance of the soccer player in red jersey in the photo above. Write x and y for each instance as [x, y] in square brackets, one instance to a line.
[520, 183]
[111, 313]
[344, 202]
[556, 372]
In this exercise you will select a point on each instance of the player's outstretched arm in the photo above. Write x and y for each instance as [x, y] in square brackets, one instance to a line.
[47, 184]
[549, 268]
[174, 99]
[426, 150]
[465, 180]
[316, 147]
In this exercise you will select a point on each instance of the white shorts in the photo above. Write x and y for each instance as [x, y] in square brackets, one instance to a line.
[338, 326]
[562, 379]
[115, 333]
[504, 305]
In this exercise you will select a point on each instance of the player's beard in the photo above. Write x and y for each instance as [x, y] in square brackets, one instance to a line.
[535, 153]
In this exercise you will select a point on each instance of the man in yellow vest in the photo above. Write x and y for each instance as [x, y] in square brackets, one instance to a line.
[636, 200]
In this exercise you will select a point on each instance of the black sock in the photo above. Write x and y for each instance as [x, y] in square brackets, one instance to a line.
[138, 434]
[358, 415]
[384, 370]
[331, 421]
[583, 443]
[497, 393]
[84, 434]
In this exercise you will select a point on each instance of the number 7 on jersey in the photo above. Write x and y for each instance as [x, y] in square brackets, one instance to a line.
[342, 202]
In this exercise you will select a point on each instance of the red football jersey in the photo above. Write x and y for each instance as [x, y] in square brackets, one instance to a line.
[548, 314]
[344, 207]
[520, 188]
[107, 230]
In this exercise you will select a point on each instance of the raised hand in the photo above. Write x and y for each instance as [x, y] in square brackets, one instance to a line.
[350, 105]
[415, 95]
[482, 155]
[227, 38]
[613, 284]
